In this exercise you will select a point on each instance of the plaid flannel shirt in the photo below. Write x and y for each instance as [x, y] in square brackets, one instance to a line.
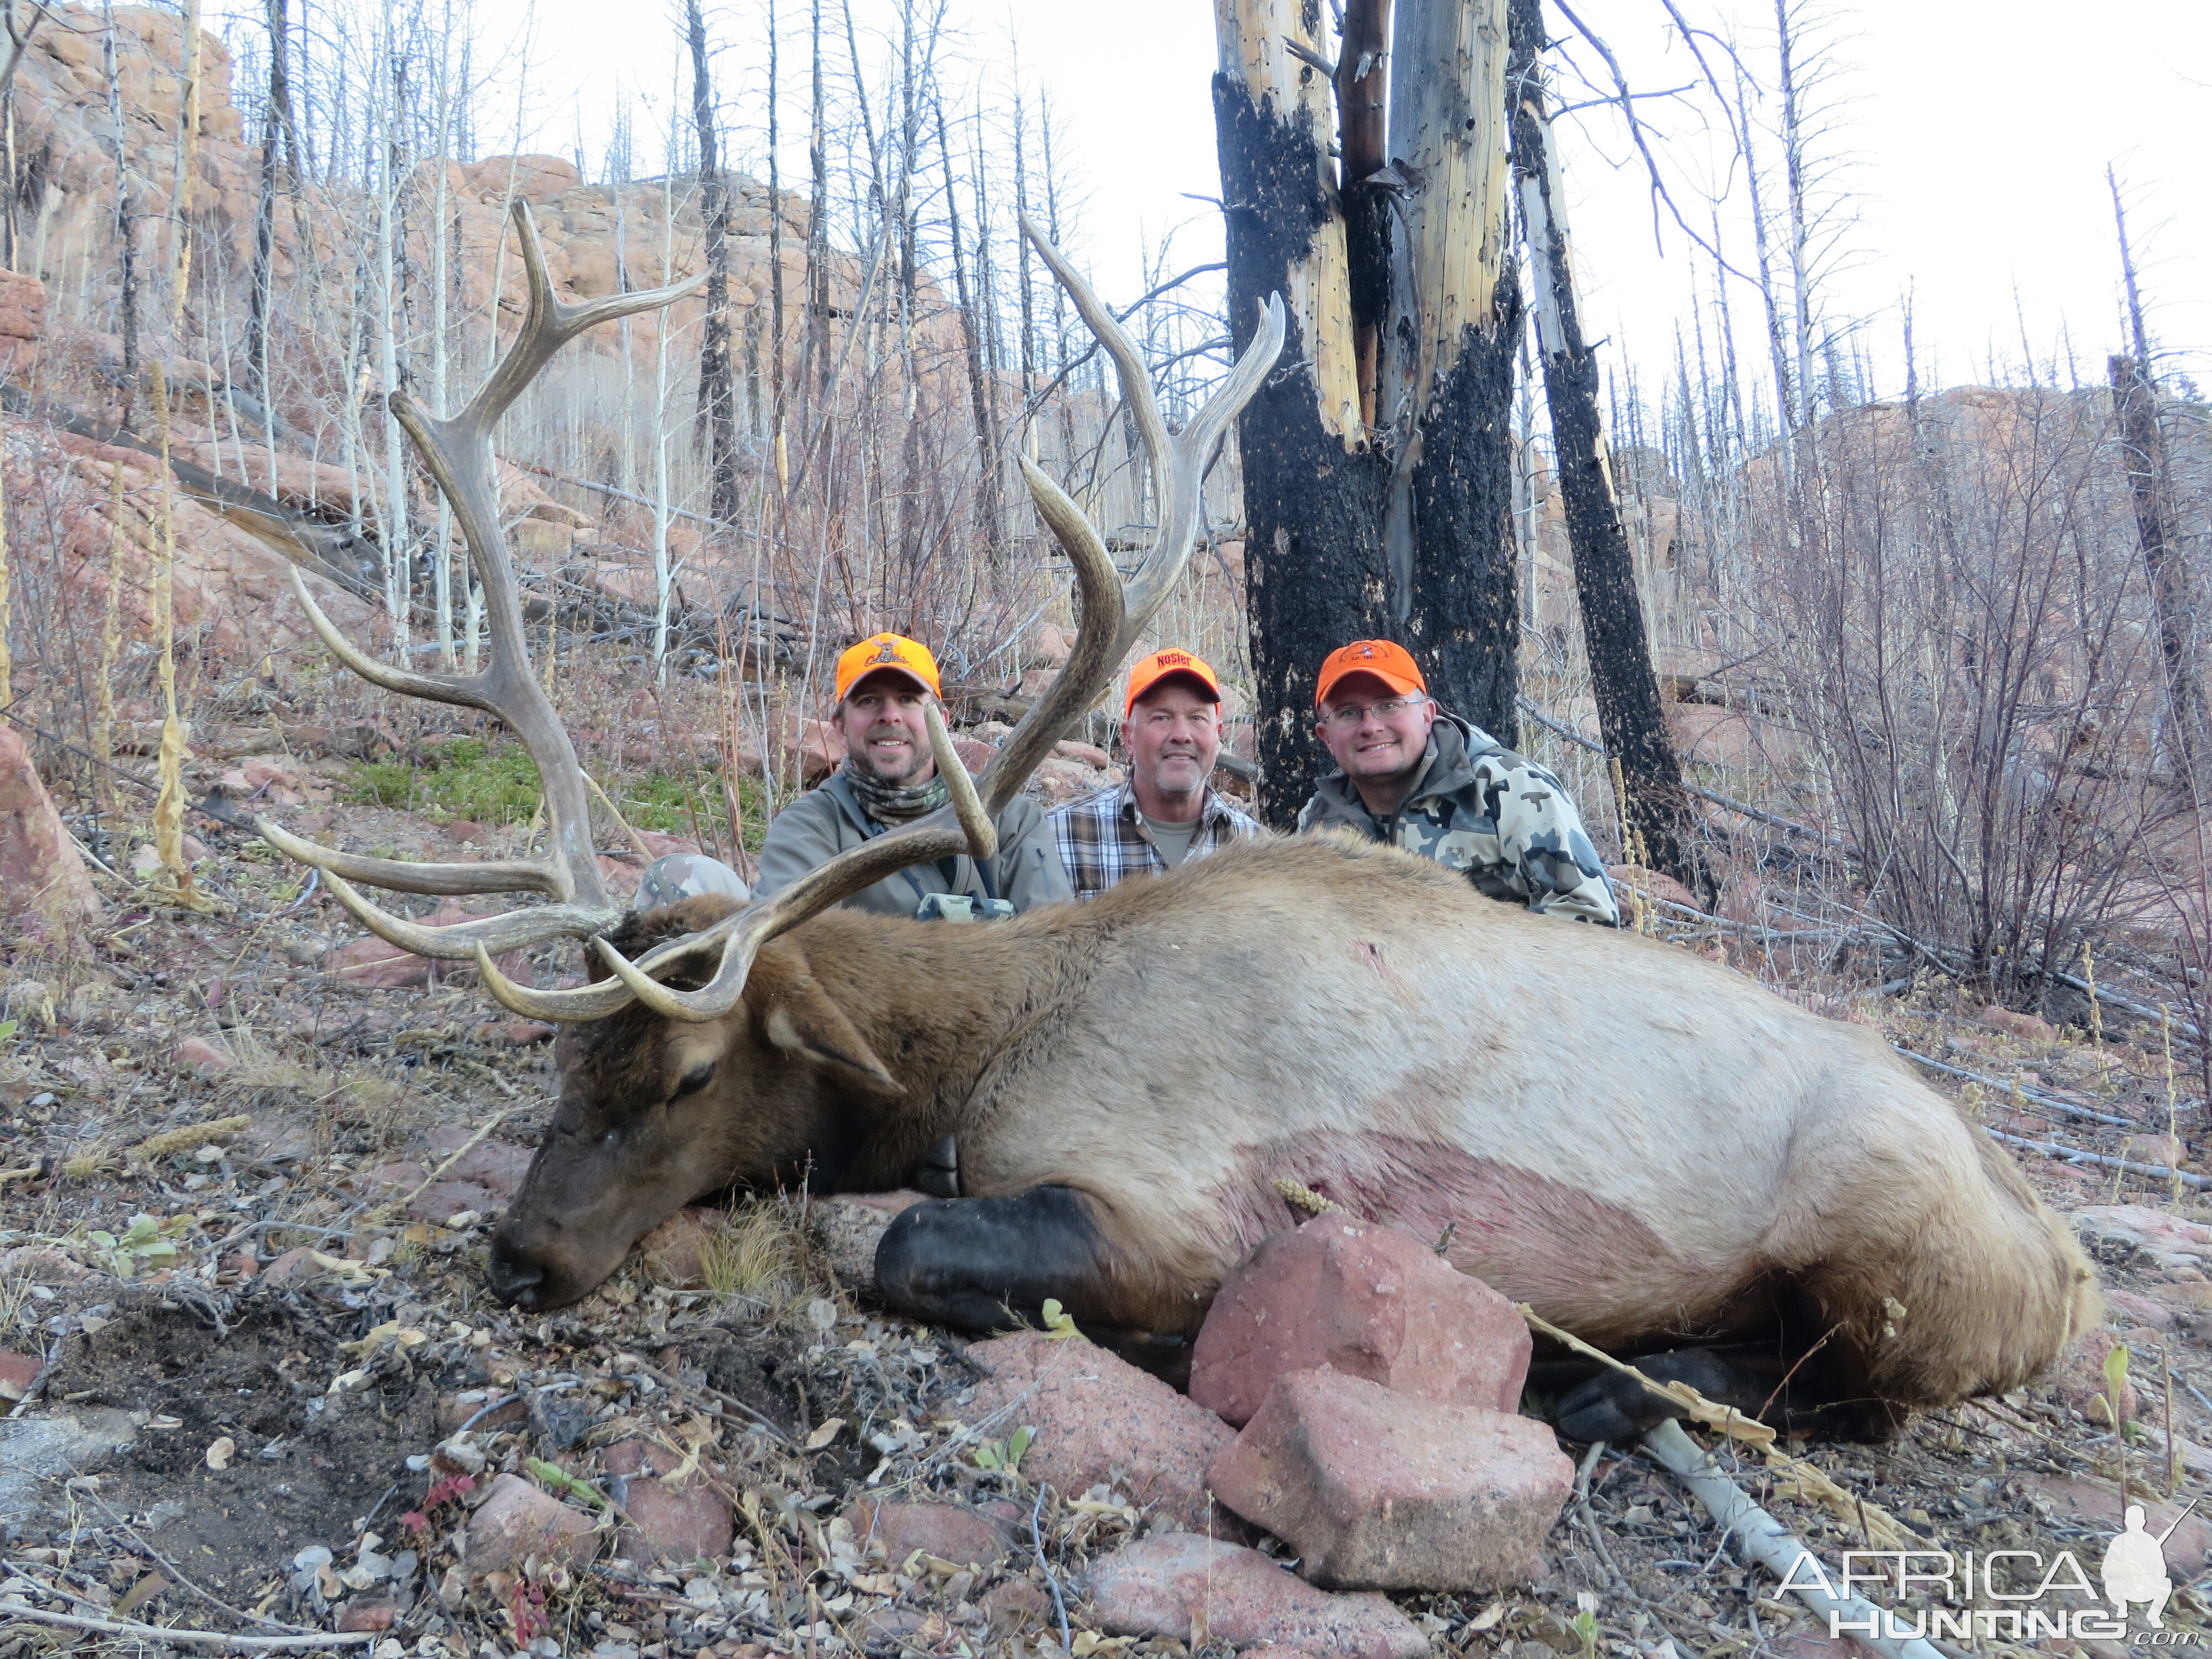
[1103, 840]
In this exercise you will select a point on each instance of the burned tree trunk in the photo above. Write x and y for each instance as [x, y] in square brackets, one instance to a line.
[1376, 478]
[2189, 743]
[1450, 518]
[1313, 486]
[1629, 714]
[717, 391]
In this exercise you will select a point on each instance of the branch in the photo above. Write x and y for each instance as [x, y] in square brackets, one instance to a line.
[1626, 100]
[16, 1608]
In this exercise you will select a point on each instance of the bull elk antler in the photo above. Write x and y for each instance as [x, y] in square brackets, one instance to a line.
[458, 454]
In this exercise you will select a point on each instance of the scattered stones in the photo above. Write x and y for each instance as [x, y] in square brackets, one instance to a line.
[203, 1059]
[18, 1372]
[847, 1229]
[1366, 1300]
[517, 1520]
[1098, 1418]
[368, 1615]
[2138, 1310]
[1199, 1589]
[1016, 1606]
[944, 1530]
[40, 870]
[1377, 1490]
[556, 1420]
[2120, 1234]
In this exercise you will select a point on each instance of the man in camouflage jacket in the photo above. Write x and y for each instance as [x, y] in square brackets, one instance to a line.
[1437, 786]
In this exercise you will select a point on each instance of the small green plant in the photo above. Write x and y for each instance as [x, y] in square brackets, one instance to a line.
[462, 777]
[7, 1030]
[1005, 1455]
[1058, 1323]
[149, 1242]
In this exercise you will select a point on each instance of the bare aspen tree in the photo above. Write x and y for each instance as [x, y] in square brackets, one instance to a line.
[7, 657]
[775, 250]
[1402, 527]
[126, 219]
[111, 646]
[169, 803]
[979, 399]
[1630, 716]
[717, 394]
[2150, 481]
[442, 542]
[188, 132]
[385, 88]
[662, 583]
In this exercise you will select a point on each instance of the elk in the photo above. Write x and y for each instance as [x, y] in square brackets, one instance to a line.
[1652, 1151]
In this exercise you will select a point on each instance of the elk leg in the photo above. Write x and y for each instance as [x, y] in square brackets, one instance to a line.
[989, 1264]
[1614, 1408]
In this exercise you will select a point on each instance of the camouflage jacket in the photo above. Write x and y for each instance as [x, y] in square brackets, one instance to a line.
[1478, 806]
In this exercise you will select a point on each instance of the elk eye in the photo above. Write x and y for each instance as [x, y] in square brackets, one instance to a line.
[694, 1080]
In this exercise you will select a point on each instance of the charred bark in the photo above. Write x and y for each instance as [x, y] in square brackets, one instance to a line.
[1313, 563]
[1463, 618]
[1630, 717]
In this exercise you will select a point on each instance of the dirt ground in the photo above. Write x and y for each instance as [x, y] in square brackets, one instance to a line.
[270, 1397]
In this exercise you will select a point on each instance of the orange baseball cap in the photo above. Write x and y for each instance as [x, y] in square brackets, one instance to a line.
[892, 651]
[1151, 671]
[1386, 661]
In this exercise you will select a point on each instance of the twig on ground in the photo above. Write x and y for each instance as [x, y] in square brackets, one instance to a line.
[766, 1425]
[2063, 1107]
[16, 1608]
[1037, 1542]
[1766, 1541]
[2075, 1155]
[398, 1205]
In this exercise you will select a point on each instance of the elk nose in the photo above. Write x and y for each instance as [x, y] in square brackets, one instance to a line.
[514, 1277]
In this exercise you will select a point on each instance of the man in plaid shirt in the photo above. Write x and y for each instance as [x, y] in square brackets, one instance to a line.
[1167, 811]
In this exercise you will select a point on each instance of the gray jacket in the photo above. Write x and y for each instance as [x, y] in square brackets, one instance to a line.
[1478, 806]
[823, 822]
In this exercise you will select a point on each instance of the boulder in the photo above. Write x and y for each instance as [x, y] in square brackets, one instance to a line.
[847, 1227]
[1098, 1418]
[1368, 1301]
[675, 1253]
[1376, 1490]
[1200, 1591]
[40, 870]
[810, 748]
[18, 1372]
[516, 1521]
[22, 320]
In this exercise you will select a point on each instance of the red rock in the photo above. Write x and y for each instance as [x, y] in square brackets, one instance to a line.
[2140, 1309]
[443, 1199]
[675, 1252]
[40, 870]
[1098, 1418]
[673, 1524]
[368, 1615]
[1089, 753]
[18, 1372]
[516, 1521]
[813, 749]
[523, 1033]
[973, 755]
[1376, 1490]
[376, 964]
[1197, 1590]
[1015, 1606]
[945, 1530]
[241, 1262]
[847, 1229]
[496, 1165]
[1366, 1300]
[295, 1266]
[2013, 1023]
[2098, 1504]
[467, 830]
[203, 1057]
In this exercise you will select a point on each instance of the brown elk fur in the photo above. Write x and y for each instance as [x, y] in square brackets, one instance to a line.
[1645, 1146]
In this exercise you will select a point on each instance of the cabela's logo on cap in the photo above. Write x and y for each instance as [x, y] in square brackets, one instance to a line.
[888, 652]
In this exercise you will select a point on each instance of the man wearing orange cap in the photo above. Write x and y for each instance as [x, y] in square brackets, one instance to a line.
[1437, 785]
[1167, 812]
[889, 779]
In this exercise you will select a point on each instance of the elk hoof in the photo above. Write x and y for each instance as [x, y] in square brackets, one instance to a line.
[1617, 1409]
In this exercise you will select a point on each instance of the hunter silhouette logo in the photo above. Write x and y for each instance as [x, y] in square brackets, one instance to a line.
[2134, 1568]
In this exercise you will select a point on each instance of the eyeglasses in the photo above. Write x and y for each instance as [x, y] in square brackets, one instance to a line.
[1345, 716]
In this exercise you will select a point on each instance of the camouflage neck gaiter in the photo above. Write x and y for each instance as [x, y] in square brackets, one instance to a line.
[890, 803]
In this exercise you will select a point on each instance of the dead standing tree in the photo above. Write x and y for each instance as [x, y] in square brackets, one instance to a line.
[1378, 483]
[717, 391]
[1634, 725]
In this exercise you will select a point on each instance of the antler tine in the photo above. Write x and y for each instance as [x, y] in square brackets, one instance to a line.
[737, 939]
[1114, 613]
[457, 451]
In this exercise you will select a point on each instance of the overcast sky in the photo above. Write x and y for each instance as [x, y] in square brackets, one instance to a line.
[1978, 133]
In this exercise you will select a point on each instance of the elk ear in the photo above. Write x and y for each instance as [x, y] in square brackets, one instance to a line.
[802, 1021]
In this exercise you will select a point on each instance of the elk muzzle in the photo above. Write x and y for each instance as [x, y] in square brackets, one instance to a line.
[581, 1206]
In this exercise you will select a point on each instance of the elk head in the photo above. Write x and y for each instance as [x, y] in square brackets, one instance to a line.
[709, 1054]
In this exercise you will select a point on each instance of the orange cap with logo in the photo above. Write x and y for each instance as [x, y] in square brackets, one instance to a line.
[892, 651]
[1386, 661]
[1151, 671]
